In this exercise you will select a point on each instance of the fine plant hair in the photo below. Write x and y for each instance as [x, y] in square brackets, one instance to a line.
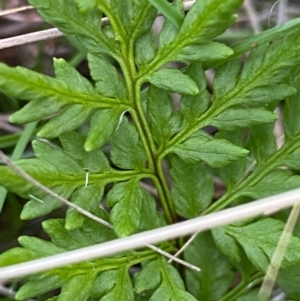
[118, 147]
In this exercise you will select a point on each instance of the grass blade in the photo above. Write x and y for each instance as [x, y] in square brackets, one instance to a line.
[17, 154]
[168, 11]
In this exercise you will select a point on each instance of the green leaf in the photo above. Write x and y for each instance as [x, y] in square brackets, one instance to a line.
[193, 107]
[164, 122]
[46, 95]
[104, 283]
[252, 296]
[65, 15]
[215, 152]
[103, 124]
[204, 53]
[70, 94]
[269, 93]
[148, 279]
[58, 171]
[277, 181]
[126, 199]
[215, 277]
[204, 21]
[92, 162]
[262, 142]
[40, 246]
[288, 280]
[291, 158]
[17, 255]
[124, 11]
[207, 19]
[61, 161]
[150, 217]
[77, 281]
[16, 184]
[88, 198]
[145, 48]
[110, 285]
[71, 77]
[40, 285]
[262, 77]
[168, 11]
[226, 78]
[173, 80]
[292, 111]
[144, 17]
[70, 118]
[36, 110]
[233, 172]
[78, 287]
[227, 244]
[41, 204]
[170, 29]
[164, 279]
[127, 153]
[260, 239]
[88, 234]
[86, 5]
[108, 81]
[53, 299]
[24, 84]
[243, 117]
[193, 188]
[135, 16]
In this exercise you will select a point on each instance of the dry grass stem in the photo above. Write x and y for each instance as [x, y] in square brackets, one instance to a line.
[253, 18]
[277, 258]
[30, 38]
[282, 12]
[15, 10]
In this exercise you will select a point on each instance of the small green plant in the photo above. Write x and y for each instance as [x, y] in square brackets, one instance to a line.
[134, 128]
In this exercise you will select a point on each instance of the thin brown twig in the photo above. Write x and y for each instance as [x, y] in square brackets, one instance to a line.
[184, 247]
[282, 12]
[6, 291]
[149, 188]
[9, 128]
[248, 5]
[30, 38]
[15, 10]
[271, 11]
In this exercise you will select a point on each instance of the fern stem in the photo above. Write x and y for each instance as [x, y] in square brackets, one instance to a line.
[168, 198]
[259, 173]
[146, 136]
[127, 65]
[150, 149]
[143, 129]
[243, 287]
